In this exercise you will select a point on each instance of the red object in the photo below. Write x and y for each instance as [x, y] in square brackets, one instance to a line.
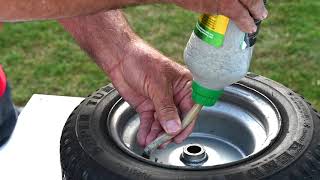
[3, 82]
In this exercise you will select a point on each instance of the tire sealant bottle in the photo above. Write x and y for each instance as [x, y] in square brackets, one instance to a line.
[218, 54]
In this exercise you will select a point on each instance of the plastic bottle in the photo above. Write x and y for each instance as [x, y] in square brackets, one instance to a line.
[218, 54]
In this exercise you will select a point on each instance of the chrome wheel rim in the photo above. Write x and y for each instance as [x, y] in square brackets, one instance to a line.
[241, 125]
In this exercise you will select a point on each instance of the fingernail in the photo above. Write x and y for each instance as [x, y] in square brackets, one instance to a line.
[265, 14]
[254, 29]
[172, 126]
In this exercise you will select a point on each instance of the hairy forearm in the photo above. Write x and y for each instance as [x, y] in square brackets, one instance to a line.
[26, 10]
[104, 36]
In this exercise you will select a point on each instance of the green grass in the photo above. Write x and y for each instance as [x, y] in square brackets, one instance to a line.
[40, 57]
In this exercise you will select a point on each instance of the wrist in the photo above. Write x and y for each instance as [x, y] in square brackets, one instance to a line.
[110, 56]
[105, 36]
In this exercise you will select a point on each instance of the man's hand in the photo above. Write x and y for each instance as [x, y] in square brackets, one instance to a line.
[242, 12]
[158, 88]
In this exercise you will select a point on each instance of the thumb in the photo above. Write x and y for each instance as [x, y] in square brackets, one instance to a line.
[167, 113]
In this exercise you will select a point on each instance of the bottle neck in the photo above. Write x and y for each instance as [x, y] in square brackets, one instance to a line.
[204, 96]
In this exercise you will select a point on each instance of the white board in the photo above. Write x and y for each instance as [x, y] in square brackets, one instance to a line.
[32, 153]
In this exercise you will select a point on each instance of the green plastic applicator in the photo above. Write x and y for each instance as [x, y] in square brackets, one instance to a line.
[204, 96]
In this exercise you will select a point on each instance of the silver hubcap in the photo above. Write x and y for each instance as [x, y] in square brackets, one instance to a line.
[240, 125]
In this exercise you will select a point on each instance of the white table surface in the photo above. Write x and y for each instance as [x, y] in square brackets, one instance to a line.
[32, 153]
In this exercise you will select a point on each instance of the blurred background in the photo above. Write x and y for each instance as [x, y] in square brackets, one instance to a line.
[40, 57]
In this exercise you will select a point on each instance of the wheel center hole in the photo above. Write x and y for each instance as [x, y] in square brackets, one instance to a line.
[194, 149]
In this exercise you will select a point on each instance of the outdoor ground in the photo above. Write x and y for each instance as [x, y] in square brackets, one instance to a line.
[40, 57]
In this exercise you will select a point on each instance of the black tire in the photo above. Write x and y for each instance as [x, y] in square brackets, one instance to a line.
[88, 152]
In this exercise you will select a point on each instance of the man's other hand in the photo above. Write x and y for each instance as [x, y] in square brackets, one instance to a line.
[242, 12]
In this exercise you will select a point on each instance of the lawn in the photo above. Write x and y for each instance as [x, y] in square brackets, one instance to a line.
[39, 57]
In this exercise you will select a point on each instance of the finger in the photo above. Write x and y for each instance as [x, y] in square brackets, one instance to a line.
[146, 119]
[154, 132]
[240, 15]
[166, 109]
[184, 99]
[185, 133]
[181, 90]
[256, 8]
[186, 104]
